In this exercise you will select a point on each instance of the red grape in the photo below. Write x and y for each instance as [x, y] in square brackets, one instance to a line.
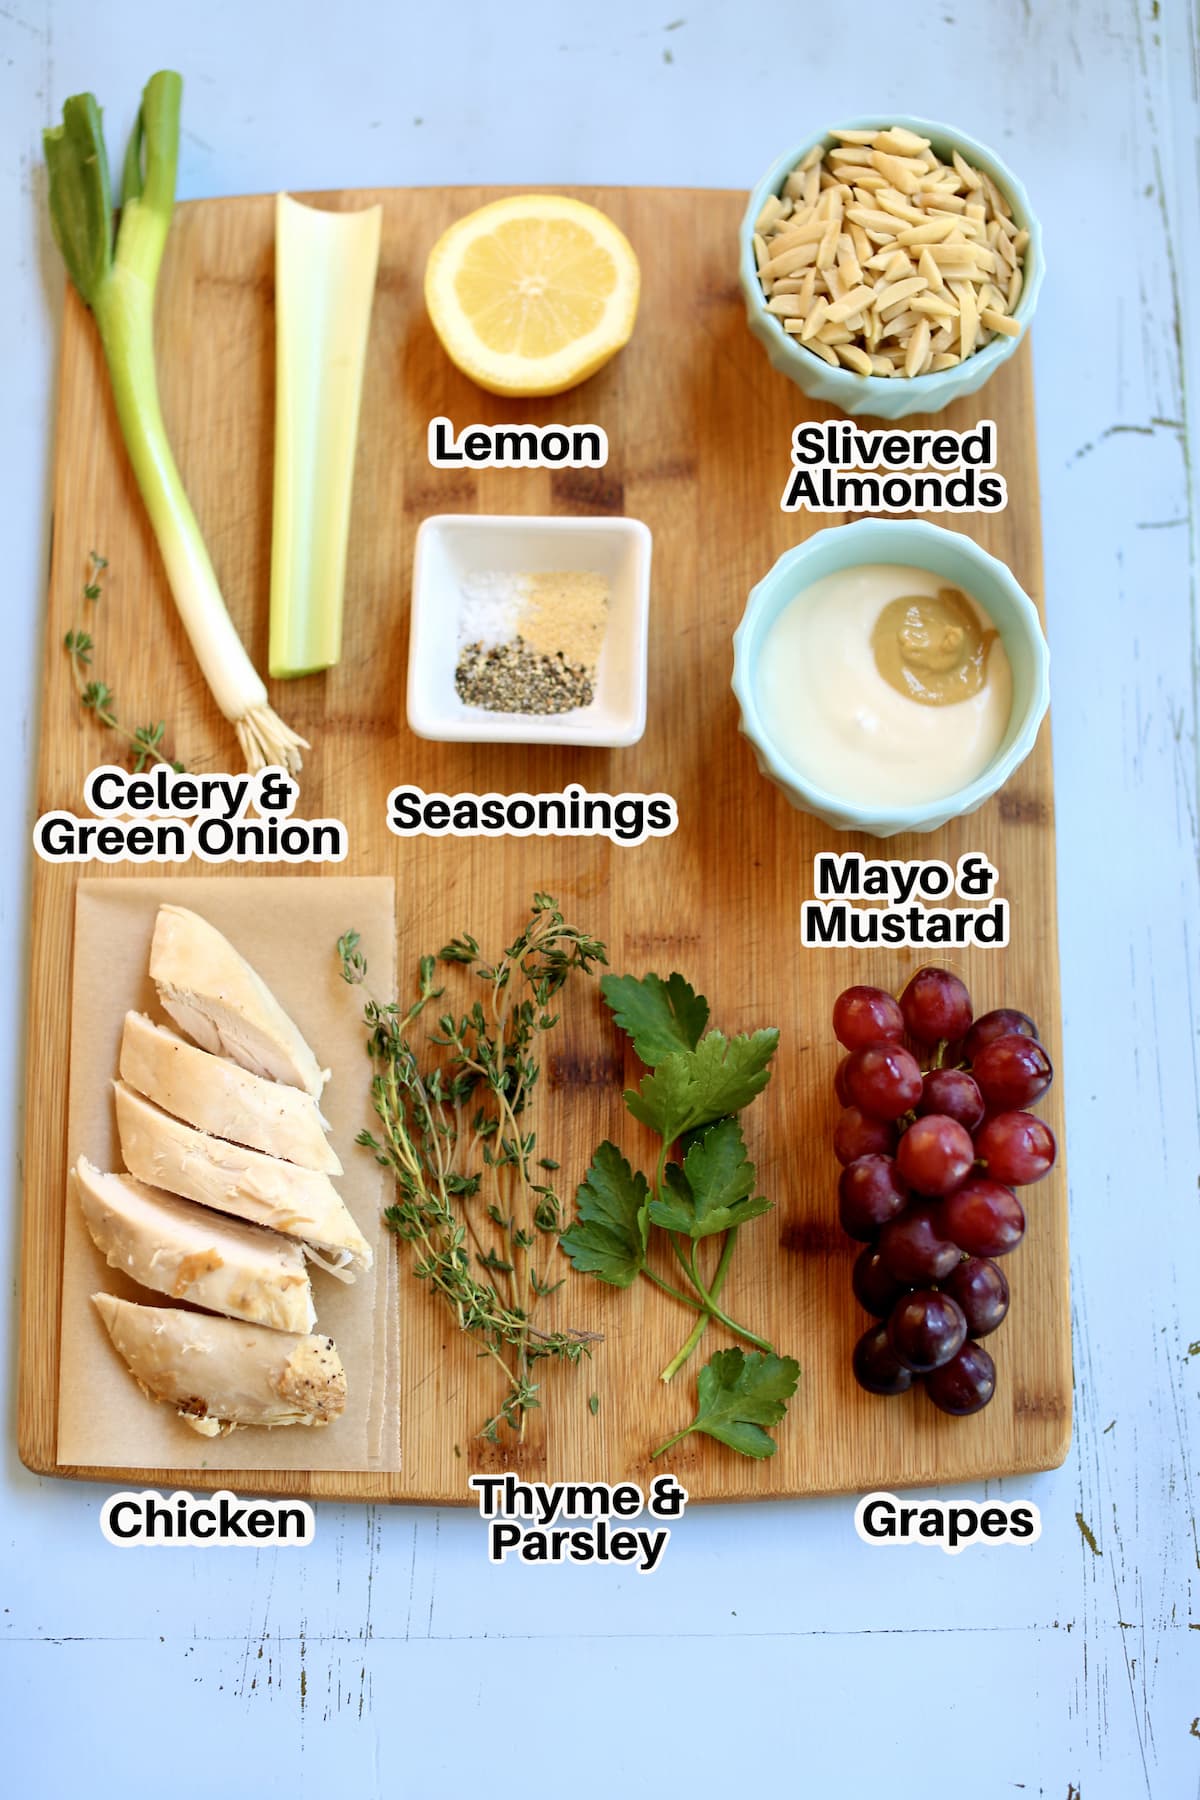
[984, 1219]
[839, 1082]
[936, 1006]
[1006, 1021]
[935, 1155]
[875, 1287]
[981, 1289]
[876, 1366]
[955, 1093]
[870, 1193]
[1017, 1147]
[866, 1015]
[1012, 1071]
[884, 1080]
[855, 1135]
[916, 1248]
[965, 1384]
[926, 1329]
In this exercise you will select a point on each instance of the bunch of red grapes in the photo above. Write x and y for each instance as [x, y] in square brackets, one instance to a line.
[929, 1163]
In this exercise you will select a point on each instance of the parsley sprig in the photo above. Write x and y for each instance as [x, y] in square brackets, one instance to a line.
[739, 1394]
[458, 1131]
[96, 697]
[696, 1084]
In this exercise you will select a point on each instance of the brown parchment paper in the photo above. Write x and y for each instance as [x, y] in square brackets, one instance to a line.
[286, 929]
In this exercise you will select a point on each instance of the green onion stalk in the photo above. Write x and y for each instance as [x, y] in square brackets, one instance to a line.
[116, 278]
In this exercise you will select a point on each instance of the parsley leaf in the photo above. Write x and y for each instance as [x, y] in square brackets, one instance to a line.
[713, 1188]
[660, 1016]
[739, 1393]
[695, 1087]
[608, 1238]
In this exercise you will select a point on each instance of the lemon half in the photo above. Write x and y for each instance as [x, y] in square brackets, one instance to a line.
[532, 295]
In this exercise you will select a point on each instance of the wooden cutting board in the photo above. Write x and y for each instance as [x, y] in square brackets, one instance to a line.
[699, 427]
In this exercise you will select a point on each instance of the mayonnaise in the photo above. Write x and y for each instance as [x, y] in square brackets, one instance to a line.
[828, 708]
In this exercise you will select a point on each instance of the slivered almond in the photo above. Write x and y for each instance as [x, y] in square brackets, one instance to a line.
[935, 305]
[900, 141]
[792, 236]
[900, 324]
[790, 261]
[992, 320]
[968, 315]
[918, 348]
[873, 220]
[817, 316]
[933, 231]
[897, 291]
[847, 262]
[898, 207]
[852, 302]
[929, 269]
[903, 172]
[966, 173]
[855, 359]
[771, 209]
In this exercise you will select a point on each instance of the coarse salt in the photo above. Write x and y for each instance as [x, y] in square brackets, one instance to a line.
[491, 604]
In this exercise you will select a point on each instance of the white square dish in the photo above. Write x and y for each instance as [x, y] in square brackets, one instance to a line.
[452, 547]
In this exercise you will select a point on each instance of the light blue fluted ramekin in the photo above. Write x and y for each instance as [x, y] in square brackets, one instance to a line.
[915, 545]
[880, 396]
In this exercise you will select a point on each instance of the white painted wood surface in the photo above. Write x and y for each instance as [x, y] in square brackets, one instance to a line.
[772, 1652]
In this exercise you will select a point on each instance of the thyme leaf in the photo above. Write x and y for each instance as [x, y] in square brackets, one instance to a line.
[456, 1099]
[96, 697]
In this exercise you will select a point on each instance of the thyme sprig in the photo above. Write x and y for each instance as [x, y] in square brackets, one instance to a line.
[96, 697]
[458, 1131]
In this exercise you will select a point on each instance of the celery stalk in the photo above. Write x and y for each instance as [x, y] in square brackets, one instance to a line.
[117, 279]
[325, 265]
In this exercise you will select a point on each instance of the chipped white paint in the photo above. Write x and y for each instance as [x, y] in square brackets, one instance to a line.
[390, 1659]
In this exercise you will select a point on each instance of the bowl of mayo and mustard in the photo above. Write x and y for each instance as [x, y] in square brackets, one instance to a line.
[891, 675]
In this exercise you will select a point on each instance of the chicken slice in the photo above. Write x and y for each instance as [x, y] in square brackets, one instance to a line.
[221, 1097]
[302, 1203]
[220, 1374]
[214, 995]
[192, 1254]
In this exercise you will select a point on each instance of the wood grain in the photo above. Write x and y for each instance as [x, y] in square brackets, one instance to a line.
[699, 429]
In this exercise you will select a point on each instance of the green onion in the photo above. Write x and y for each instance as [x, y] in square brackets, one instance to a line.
[325, 265]
[117, 281]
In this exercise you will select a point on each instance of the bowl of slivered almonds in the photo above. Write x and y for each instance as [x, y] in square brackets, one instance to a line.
[890, 266]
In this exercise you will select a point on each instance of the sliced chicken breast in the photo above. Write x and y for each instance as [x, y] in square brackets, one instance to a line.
[302, 1203]
[193, 1254]
[214, 995]
[220, 1374]
[219, 1096]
